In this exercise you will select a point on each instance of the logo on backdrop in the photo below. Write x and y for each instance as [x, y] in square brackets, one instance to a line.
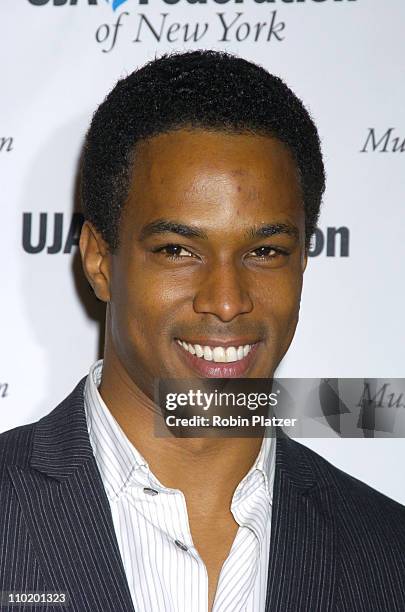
[230, 26]
[57, 235]
[380, 141]
[59, 232]
[3, 390]
[327, 242]
[378, 404]
[6, 144]
[117, 3]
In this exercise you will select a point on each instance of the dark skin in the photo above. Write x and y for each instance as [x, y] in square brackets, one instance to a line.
[228, 281]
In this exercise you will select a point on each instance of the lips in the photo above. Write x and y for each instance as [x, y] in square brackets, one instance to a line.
[215, 352]
[206, 366]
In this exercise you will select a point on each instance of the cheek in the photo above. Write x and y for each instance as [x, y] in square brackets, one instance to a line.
[143, 304]
[280, 303]
[281, 290]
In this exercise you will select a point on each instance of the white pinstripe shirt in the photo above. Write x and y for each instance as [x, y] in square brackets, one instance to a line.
[164, 571]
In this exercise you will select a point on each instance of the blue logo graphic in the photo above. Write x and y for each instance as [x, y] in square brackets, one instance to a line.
[116, 3]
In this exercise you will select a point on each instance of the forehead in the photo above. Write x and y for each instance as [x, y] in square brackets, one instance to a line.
[210, 175]
[210, 153]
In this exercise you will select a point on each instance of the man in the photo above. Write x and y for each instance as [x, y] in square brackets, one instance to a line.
[202, 181]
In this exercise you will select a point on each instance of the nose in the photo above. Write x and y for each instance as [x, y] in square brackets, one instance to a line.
[223, 294]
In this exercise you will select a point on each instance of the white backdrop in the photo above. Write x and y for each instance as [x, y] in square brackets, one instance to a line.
[344, 58]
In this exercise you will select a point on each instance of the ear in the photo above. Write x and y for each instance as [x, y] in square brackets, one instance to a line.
[96, 261]
[304, 261]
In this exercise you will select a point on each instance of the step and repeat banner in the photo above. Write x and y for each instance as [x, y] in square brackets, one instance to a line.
[344, 58]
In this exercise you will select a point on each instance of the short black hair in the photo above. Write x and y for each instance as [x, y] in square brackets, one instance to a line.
[199, 89]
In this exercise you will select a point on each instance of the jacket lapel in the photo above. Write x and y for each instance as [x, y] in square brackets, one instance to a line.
[302, 563]
[67, 512]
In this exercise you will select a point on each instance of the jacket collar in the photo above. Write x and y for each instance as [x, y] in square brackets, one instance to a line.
[67, 514]
[303, 547]
[61, 441]
[304, 537]
[61, 444]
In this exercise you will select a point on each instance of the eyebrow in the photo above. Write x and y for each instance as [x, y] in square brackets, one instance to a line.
[164, 226]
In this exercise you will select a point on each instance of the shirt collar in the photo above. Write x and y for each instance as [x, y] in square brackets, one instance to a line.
[252, 500]
[119, 462]
[260, 475]
[117, 458]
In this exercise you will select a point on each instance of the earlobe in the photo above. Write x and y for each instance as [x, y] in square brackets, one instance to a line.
[95, 260]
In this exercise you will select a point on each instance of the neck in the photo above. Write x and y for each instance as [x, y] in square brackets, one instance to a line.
[211, 467]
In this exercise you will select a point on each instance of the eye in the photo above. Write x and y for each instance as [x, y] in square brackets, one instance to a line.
[267, 252]
[173, 251]
[176, 252]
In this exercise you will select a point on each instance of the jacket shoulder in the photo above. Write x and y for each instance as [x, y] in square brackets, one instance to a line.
[358, 500]
[370, 531]
[15, 446]
[344, 482]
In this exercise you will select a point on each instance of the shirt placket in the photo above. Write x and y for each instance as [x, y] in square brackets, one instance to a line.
[187, 576]
[237, 578]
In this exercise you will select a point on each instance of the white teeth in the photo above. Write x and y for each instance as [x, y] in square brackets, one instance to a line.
[231, 354]
[219, 354]
[207, 353]
[199, 351]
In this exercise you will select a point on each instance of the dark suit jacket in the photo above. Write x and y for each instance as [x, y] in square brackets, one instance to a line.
[336, 544]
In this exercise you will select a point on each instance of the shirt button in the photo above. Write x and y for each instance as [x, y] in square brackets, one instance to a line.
[180, 545]
[149, 491]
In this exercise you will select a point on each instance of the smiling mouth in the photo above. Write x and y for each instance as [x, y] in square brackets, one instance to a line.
[216, 361]
[218, 354]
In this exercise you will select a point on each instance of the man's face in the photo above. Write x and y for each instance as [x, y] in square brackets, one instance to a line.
[211, 255]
